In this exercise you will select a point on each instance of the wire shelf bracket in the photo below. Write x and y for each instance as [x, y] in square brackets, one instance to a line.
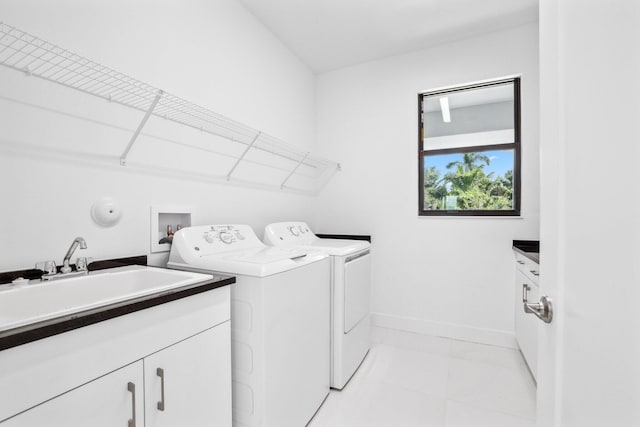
[294, 170]
[125, 153]
[244, 153]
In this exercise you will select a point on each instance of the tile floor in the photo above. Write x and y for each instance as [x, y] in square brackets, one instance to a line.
[417, 380]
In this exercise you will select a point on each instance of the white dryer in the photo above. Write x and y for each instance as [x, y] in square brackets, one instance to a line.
[350, 293]
[280, 343]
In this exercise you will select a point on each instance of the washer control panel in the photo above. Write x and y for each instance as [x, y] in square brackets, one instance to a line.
[210, 239]
[227, 234]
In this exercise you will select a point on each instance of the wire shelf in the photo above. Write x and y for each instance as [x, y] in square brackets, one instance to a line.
[26, 53]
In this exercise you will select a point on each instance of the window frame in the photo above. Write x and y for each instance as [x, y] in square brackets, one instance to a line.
[515, 146]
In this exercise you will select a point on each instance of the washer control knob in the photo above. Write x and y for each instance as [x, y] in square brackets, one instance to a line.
[293, 231]
[225, 237]
[208, 237]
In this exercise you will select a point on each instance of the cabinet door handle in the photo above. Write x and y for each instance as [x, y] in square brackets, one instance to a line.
[520, 262]
[132, 388]
[525, 288]
[160, 373]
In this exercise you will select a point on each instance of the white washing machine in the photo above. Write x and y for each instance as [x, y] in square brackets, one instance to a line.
[280, 342]
[350, 293]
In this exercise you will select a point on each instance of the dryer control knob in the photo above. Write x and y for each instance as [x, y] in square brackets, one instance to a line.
[293, 231]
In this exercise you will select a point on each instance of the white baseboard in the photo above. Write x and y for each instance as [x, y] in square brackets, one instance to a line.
[446, 330]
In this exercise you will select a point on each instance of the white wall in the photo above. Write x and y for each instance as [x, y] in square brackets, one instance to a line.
[213, 53]
[446, 276]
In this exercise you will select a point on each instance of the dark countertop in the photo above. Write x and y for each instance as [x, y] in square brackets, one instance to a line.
[25, 334]
[345, 236]
[528, 248]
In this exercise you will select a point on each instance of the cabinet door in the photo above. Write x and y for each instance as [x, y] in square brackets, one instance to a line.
[526, 324]
[108, 401]
[189, 383]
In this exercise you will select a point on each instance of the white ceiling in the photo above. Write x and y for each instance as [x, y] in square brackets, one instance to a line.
[331, 34]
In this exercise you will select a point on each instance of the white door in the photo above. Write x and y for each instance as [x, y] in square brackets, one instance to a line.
[114, 400]
[189, 383]
[588, 369]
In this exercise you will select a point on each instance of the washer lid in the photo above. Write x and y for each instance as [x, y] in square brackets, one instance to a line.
[298, 234]
[265, 255]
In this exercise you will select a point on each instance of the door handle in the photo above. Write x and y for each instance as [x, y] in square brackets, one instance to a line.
[543, 310]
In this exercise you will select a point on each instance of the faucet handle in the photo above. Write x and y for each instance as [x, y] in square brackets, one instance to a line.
[49, 267]
[82, 263]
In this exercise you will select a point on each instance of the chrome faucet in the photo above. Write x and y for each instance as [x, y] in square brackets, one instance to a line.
[66, 268]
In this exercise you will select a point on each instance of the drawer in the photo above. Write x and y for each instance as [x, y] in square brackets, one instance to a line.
[529, 268]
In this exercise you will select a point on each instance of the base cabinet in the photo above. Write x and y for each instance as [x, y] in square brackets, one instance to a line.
[105, 402]
[526, 324]
[186, 384]
[189, 384]
[168, 365]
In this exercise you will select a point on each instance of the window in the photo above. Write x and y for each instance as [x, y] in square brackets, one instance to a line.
[469, 150]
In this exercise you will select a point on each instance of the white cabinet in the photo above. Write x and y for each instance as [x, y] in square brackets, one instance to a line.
[526, 324]
[105, 402]
[189, 384]
[98, 374]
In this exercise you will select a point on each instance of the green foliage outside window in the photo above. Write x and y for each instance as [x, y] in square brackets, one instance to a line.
[467, 185]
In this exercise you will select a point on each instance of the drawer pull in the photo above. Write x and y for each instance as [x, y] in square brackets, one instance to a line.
[520, 262]
[535, 273]
[160, 373]
[132, 388]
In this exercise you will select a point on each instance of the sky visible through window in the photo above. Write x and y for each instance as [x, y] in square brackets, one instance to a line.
[501, 162]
